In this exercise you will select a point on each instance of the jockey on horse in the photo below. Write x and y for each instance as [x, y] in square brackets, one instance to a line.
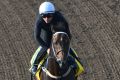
[48, 22]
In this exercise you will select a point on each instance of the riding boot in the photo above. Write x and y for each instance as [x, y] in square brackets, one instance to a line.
[37, 57]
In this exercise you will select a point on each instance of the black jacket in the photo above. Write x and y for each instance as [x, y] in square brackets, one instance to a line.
[43, 32]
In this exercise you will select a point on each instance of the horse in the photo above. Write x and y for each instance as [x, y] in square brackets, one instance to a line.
[56, 66]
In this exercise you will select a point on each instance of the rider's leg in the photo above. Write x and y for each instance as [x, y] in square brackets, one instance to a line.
[37, 57]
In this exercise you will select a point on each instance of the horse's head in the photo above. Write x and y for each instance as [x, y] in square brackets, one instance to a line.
[60, 46]
[56, 66]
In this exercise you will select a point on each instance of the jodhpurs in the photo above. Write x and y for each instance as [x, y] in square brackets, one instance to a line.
[38, 56]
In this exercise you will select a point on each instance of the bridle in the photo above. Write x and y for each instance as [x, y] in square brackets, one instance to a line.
[66, 73]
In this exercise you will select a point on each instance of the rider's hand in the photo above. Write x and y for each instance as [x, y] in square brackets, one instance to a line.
[48, 50]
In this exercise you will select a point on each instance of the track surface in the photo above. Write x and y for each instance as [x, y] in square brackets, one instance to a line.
[95, 27]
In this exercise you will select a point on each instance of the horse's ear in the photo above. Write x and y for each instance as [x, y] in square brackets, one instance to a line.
[53, 28]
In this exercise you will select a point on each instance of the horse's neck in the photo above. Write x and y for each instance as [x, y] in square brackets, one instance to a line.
[52, 66]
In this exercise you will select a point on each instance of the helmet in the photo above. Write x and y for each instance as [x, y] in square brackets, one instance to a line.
[46, 7]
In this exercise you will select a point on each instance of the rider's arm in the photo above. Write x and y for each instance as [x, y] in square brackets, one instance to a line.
[37, 33]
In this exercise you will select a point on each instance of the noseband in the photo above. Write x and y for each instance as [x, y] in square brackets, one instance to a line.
[59, 51]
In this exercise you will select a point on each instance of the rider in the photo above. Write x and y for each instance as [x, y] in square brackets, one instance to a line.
[48, 22]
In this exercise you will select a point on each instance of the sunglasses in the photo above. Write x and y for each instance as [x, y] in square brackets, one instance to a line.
[49, 15]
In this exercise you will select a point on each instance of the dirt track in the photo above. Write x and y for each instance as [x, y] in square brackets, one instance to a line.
[95, 27]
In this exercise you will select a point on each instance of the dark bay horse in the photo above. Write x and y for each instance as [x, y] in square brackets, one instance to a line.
[56, 66]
